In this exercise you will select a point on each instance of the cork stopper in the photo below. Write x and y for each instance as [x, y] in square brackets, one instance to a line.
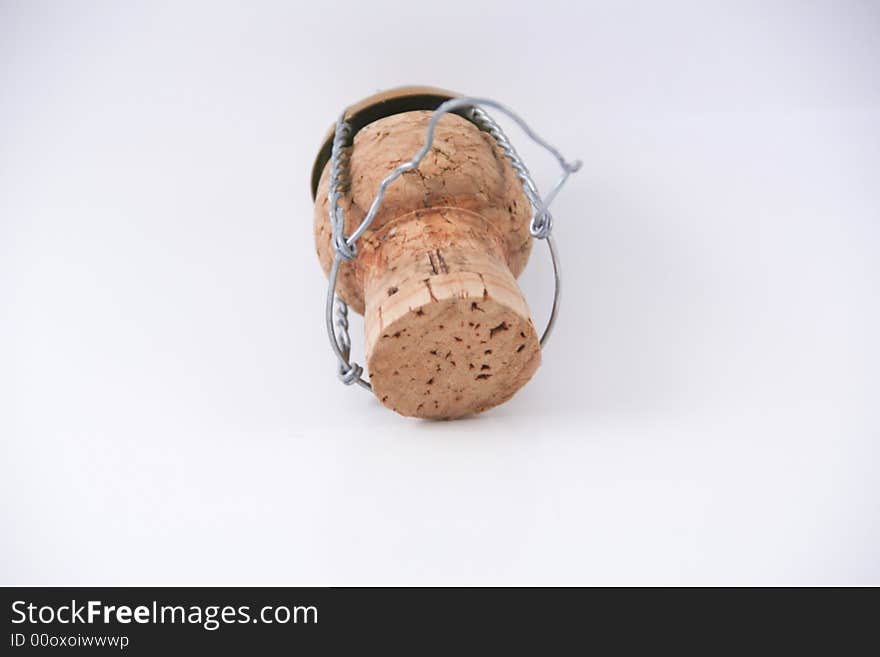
[448, 332]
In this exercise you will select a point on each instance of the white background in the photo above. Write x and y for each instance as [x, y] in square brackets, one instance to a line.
[707, 411]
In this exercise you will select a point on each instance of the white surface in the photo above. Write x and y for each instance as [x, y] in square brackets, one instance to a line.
[706, 411]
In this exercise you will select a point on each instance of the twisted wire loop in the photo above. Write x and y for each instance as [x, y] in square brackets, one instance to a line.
[540, 227]
[340, 154]
[337, 309]
[542, 221]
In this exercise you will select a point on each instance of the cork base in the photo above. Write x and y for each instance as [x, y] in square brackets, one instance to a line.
[448, 332]
[418, 371]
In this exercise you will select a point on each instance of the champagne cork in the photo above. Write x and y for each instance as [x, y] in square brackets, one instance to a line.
[447, 330]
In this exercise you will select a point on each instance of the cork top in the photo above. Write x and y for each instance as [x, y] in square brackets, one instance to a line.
[465, 170]
[378, 106]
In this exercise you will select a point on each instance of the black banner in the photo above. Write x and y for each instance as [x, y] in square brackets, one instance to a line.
[154, 621]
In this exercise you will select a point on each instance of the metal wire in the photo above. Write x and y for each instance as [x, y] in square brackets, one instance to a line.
[540, 227]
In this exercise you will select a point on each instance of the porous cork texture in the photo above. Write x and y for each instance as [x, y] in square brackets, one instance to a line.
[448, 332]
